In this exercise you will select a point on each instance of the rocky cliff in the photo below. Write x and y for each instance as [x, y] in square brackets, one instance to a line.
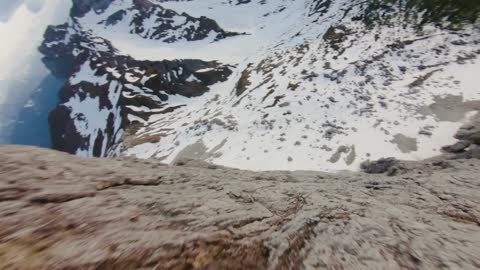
[65, 212]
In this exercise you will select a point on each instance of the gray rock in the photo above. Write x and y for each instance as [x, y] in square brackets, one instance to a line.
[77, 213]
[458, 147]
[469, 133]
[380, 166]
[472, 152]
[425, 132]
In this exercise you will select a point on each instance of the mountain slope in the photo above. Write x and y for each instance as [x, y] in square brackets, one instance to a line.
[309, 84]
[150, 21]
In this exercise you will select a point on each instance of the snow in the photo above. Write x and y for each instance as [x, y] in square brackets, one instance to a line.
[358, 101]
[133, 118]
[131, 77]
[192, 78]
[204, 70]
[87, 74]
[114, 72]
[89, 119]
[242, 18]
[257, 146]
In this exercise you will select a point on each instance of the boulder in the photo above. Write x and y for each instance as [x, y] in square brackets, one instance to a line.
[469, 133]
[458, 147]
[380, 166]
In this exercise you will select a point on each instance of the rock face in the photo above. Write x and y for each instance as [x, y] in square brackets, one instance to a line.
[458, 147]
[65, 212]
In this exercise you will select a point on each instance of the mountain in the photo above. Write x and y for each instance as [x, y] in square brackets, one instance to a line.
[265, 84]
[147, 20]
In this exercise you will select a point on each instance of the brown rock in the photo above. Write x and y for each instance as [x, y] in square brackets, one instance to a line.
[119, 214]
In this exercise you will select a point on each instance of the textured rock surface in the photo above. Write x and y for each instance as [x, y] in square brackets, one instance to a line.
[64, 212]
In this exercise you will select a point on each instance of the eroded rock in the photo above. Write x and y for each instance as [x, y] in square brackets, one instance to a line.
[379, 166]
[458, 147]
[147, 216]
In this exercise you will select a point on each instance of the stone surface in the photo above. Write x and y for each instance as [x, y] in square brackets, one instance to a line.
[64, 212]
[379, 166]
[458, 147]
[469, 133]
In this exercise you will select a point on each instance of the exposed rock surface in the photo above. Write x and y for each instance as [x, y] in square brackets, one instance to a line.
[65, 212]
[468, 145]
[379, 166]
[471, 131]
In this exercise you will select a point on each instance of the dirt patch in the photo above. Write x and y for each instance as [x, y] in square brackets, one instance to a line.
[243, 83]
[404, 143]
[338, 154]
[351, 156]
[422, 79]
[350, 153]
[198, 151]
[449, 108]
[276, 100]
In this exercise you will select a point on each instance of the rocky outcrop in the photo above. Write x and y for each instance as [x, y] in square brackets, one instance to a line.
[471, 131]
[468, 145]
[384, 165]
[65, 212]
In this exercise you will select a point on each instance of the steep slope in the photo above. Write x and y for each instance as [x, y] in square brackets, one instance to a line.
[312, 84]
[150, 21]
[65, 212]
[105, 92]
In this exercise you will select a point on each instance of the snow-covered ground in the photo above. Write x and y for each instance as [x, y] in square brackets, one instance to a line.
[261, 31]
[309, 90]
[323, 123]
